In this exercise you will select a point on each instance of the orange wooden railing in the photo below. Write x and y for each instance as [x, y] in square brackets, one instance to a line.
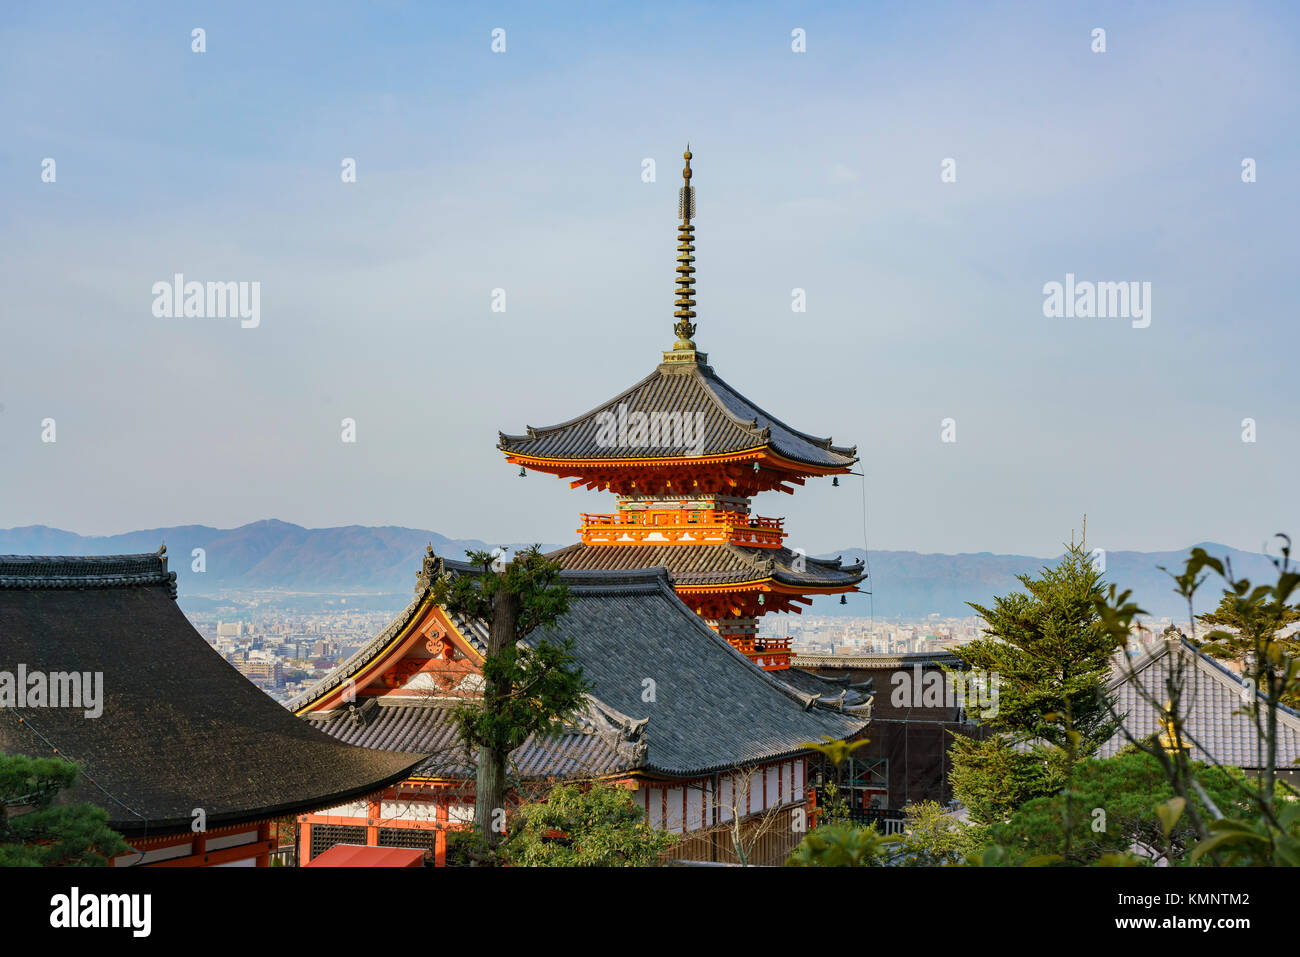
[760, 646]
[683, 526]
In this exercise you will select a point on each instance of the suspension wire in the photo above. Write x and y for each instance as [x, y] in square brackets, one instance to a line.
[866, 557]
[866, 554]
[25, 722]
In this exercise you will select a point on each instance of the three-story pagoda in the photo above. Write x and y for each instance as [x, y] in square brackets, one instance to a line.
[685, 452]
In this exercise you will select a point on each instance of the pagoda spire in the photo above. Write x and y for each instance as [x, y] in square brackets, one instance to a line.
[685, 304]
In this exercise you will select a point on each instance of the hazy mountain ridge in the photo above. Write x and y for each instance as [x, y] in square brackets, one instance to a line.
[265, 554]
[359, 558]
[913, 584]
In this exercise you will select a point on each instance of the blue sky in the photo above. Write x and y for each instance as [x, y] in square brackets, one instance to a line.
[522, 171]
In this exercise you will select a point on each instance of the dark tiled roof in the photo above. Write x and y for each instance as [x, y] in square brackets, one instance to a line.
[595, 743]
[1212, 702]
[713, 564]
[731, 423]
[836, 693]
[101, 571]
[180, 729]
[711, 709]
[880, 661]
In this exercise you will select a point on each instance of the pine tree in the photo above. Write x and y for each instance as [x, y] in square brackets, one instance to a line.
[1238, 633]
[1051, 659]
[529, 688]
[37, 832]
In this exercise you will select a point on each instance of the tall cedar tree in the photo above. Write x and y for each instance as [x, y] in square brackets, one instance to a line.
[1052, 658]
[36, 832]
[529, 688]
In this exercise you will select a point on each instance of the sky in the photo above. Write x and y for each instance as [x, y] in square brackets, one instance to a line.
[522, 170]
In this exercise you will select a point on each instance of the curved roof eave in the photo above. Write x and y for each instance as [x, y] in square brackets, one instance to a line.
[748, 430]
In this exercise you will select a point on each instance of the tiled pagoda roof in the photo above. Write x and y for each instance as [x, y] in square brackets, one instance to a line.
[730, 423]
[708, 564]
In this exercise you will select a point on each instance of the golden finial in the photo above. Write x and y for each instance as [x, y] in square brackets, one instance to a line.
[1170, 739]
[685, 304]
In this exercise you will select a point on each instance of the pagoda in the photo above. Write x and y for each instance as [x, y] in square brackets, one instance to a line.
[685, 452]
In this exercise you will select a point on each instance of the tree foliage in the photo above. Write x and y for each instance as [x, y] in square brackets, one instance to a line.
[530, 579]
[991, 778]
[529, 688]
[1116, 802]
[598, 826]
[546, 685]
[36, 832]
[843, 845]
[1244, 623]
[1259, 617]
[1051, 657]
[934, 837]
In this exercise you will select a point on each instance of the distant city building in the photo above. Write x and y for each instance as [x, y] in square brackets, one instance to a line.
[262, 670]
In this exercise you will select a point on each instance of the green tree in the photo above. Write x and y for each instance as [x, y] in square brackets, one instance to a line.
[598, 826]
[1236, 635]
[1119, 800]
[529, 687]
[1051, 657]
[36, 832]
[934, 837]
[991, 778]
[1258, 617]
[842, 845]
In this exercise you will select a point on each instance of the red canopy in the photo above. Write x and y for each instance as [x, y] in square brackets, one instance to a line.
[357, 855]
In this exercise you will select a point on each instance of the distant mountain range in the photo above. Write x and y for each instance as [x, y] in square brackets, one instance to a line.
[358, 559]
[266, 554]
[913, 584]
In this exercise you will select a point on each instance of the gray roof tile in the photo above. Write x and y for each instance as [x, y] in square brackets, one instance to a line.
[730, 422]
[717, 564]
[711, 708]
[78, 571]
[1212, 700]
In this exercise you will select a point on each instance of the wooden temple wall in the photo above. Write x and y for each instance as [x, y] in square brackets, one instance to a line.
[241, 845]
[681, 808]
[767, 839]
[398, 819]
[769, 800]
